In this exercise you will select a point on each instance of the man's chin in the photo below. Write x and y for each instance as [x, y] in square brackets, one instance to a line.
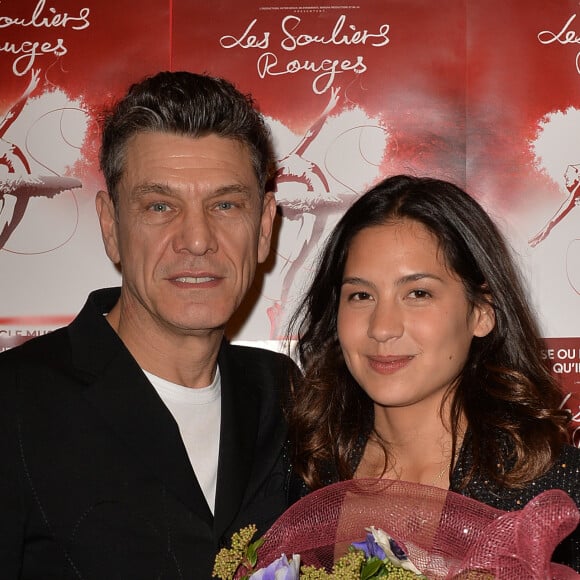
[197, 326]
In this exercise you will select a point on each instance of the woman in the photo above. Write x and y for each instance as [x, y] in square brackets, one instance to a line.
[422, 360]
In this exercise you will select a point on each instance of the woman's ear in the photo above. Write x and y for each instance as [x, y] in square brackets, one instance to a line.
[484, 317]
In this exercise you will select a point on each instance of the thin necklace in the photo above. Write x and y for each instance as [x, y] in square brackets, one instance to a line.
[446, 468]
[439, 476]
[435, 480]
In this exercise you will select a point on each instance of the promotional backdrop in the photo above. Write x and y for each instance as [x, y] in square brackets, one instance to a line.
[485, 93]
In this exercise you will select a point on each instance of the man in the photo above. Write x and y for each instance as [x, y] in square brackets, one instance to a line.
[135, 441]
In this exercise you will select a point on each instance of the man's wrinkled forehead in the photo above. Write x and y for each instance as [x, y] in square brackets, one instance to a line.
[131, 146]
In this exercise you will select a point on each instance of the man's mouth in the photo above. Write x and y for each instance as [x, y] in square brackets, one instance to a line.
[192, 280]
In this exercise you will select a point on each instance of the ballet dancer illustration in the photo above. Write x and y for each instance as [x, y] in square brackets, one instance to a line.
[17, 184]
[304, 195]
[572, 182]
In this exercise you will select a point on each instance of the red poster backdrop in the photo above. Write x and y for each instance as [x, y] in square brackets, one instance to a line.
[483, 93]
[61, 62]
[352, 93]
[523, 152]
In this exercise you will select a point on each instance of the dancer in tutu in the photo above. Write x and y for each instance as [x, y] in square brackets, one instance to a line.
[422, 359]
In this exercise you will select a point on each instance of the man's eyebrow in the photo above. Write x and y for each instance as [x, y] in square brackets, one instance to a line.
[233, 188]
[147, 188]
[164, 189]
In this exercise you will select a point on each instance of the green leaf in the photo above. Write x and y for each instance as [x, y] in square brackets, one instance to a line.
[259, 543]
[371, 568]
[252, 551]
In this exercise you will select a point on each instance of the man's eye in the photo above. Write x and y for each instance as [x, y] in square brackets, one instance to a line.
[225, 205]
[159, 207]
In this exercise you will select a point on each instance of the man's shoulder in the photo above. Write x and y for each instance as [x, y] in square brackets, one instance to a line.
[257, 368]
[257, 353]
[83, 332]
[45, 348]
[255, 358]
[24, 369]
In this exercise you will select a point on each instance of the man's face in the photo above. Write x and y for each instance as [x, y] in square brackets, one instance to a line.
[189, 230]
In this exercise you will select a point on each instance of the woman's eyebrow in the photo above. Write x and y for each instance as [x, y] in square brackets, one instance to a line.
[356, 280]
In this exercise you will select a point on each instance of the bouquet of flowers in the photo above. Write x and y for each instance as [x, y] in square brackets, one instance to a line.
[367, 529]
[377, 556]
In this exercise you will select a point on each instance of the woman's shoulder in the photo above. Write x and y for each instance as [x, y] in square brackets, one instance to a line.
[564, 473]
[571, 454]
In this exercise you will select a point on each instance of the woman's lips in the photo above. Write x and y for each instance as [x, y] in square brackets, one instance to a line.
[389, 364]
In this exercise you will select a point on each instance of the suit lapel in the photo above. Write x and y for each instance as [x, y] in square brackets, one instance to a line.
[129, 405]
[239, 427]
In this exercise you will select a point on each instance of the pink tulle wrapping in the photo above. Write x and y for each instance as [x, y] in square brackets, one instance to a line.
[445, 534]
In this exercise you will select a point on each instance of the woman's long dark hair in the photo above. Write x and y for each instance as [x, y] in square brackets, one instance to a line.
[505, 391]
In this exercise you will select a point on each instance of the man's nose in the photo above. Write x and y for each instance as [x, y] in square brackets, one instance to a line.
[195, 233]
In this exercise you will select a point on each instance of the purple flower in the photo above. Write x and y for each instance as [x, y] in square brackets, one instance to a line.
[280, 569]
[370, 547]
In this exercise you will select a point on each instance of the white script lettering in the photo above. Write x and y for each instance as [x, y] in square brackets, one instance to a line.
[37, 20]
[247, 40]
[28, 52]
[328, 69]
[337, 36]
[565, 36]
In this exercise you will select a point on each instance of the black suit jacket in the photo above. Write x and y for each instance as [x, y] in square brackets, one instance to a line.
[95, 482]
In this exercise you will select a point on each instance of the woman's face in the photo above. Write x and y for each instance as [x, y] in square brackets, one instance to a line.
[404, 322]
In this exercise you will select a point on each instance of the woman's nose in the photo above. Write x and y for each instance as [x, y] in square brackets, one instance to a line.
[385, 322]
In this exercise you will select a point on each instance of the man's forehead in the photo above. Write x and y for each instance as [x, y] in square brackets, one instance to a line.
[140, 137]
[152, 151]
[169, 164]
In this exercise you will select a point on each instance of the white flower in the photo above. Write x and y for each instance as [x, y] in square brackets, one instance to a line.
[392, 550]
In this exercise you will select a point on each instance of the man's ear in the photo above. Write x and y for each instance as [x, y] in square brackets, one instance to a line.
[109, 226]
[484, 313]
[266, 226]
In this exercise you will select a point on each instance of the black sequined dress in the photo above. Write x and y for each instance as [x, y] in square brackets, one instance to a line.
[564, 474]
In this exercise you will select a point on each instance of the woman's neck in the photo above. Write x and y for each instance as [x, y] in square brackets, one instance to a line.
[419, 447]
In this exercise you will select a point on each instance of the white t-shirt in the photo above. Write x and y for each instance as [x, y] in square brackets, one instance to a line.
[198, 416]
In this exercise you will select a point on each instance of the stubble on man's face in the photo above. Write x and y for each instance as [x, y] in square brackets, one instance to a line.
[190, 229]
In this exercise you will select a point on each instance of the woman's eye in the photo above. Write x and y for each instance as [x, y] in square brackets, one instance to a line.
[419, 294]
[359, 296]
